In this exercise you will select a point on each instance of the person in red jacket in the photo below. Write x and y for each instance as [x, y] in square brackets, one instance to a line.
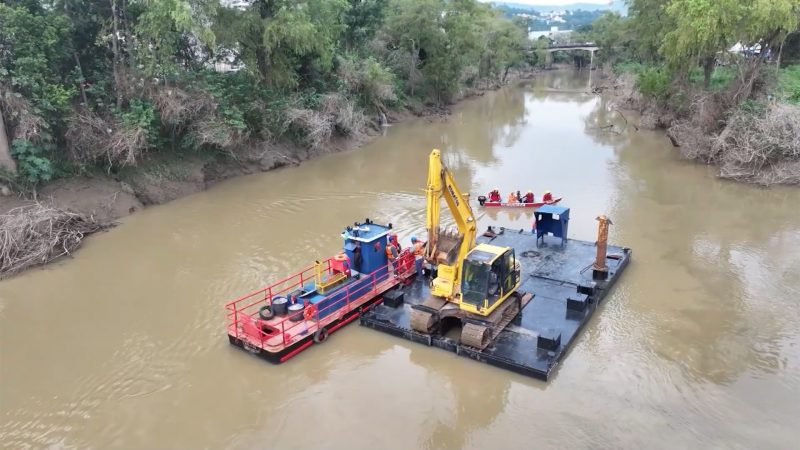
[494, 196]
[528, 197]
[548, 197]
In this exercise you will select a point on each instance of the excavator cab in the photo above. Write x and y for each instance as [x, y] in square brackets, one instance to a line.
[489, 275]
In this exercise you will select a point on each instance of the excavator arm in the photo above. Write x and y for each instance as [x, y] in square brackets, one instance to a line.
[447, 249]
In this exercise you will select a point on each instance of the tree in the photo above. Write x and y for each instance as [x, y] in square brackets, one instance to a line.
[276, 36]
[35, 71]
[612, 35]
[506, 44]
[648, 23]
[161, 30]
[705, 27]
[362, 21]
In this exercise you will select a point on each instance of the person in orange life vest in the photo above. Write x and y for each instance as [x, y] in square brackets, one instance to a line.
[528, 197]
[391, 253]
[393, 239]
[417, 246]
[548, 197]
[494, 196]
[512, 197]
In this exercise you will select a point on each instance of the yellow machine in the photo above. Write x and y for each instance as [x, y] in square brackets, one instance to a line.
[477, 280]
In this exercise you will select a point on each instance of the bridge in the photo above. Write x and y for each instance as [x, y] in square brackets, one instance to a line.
[588, 46]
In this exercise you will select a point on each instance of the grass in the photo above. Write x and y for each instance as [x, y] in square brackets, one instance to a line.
[789, 84]
[629, 66]
[721, 78]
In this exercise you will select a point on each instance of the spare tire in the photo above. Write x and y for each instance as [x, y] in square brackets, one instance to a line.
[265, 313]
[321, 336]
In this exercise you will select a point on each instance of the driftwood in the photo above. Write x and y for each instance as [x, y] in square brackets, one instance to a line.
[37, 234]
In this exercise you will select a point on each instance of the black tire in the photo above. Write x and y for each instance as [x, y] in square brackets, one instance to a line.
[321, 336]
[265, 313]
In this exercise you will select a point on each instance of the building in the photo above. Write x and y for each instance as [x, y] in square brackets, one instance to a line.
[552, 34]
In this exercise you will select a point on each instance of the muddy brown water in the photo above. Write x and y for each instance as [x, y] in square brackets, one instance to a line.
[697, 347]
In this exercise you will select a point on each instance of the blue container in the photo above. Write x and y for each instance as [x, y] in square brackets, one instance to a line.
[553, 220]
[371, 239]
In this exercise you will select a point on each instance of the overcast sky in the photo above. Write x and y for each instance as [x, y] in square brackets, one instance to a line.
[551, 2]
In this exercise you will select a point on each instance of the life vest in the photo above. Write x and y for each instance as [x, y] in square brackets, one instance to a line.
[389, 254]
[548, 197]
[417, 248]
[528, 198]
[512, 198]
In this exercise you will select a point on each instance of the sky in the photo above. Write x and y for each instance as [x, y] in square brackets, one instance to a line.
[551, 2]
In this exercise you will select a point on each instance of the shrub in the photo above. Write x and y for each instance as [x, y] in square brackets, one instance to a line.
[654, 83]
[33, 164]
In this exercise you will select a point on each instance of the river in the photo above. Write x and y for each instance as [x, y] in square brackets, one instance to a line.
[697, 347]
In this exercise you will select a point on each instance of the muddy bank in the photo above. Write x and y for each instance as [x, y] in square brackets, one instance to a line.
[165, 177]
[162, 179]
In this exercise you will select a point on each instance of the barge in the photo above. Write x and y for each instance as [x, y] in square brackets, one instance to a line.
[562, 283]
[279, 321]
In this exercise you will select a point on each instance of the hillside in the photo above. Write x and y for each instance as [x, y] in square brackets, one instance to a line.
[617, 5]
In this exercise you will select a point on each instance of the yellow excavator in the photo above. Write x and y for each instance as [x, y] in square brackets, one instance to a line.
[476, 284]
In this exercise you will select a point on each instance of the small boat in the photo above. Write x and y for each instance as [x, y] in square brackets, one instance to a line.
[484, 202]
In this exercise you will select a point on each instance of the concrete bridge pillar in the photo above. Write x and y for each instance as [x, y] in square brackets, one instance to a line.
[548, 61]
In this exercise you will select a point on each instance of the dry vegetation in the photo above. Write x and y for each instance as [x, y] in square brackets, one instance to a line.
[22, 123]
[37, 234]
[334, 112]
[97, 139]
[757, 145]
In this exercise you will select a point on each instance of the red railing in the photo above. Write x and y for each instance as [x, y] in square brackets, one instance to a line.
[253, 326]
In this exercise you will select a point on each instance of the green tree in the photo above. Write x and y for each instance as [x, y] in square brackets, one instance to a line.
[648, 23]
[362, 20]
[506, 45]
[277, 36]
[705, 27]
[35, 77]
[613, 36]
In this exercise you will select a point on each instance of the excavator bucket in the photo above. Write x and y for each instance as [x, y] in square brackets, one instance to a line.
[448, 244]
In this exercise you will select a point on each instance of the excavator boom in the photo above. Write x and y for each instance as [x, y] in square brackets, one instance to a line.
[447, 249]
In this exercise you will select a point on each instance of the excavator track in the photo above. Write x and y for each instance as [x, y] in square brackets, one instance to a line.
[480, 336]
[424, 321]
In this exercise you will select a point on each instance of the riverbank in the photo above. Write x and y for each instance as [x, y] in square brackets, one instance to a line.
[164, 177]
[102, 197]
[755, 141]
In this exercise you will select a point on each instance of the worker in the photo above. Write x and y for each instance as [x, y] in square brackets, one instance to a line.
[391, 254]
[547, 197]
[393, 239]
[494, 196]
[528, 197]
[417, 244]
[519, 197]
[512, 197]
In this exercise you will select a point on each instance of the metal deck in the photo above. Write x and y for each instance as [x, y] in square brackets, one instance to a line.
[536, 340]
